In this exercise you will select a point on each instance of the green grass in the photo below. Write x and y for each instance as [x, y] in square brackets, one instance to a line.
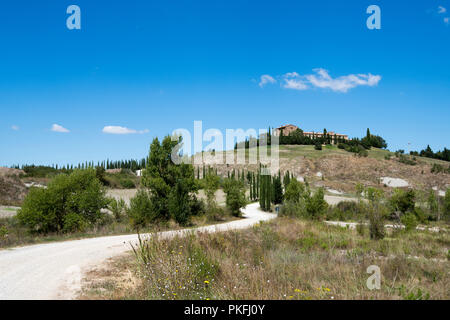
[10, 209]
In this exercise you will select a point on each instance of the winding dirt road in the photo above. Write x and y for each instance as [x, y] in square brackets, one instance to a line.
[54, 270]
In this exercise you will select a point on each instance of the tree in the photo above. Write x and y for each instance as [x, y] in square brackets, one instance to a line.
[318, 146]
[235, 196]
[375, 214]
[212, 183]
[316, 204]
[402, 201]
[432, 203]
[294, 191]
[277, 190]
[447, 205]
[141, 210]
[69, 203]
[169, 184]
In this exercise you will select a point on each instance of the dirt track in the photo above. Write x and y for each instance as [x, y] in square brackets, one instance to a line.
[54, 270]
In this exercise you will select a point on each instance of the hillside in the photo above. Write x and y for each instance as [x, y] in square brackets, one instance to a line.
[12, 189]
[340, 170]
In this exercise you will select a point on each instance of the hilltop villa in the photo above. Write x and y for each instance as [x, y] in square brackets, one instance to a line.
[289, 128]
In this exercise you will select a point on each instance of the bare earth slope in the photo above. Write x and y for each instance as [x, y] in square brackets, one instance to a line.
[342, 170]
[54, 270]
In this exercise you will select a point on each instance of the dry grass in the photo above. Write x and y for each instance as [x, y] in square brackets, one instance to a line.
[288, 259]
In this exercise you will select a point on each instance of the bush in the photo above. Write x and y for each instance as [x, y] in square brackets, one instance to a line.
[3, 232]
[410, 221]
[316, 206]
[374, 211]
[420, 215]
[118, 208]
[437, 168]
[39, 171]
[211, 185]
[74, 223]
[127, 184]
[141, 210]
[447, 205]
[294, 191]
[402, 201]
[235, 196]
[179, 204]
[406, 160]
[343, 211]
[318, 146]
[290, 209]
[376, 225]
[80, 193]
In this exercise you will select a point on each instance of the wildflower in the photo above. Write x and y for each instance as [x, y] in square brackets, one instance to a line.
[327, 289]
[206, 282]
[297, 290]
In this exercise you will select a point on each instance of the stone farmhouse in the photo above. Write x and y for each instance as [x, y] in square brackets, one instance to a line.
[289, 128]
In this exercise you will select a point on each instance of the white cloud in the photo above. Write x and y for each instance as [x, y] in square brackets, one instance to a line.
[265, 79]
[292, 80]
[15, 128]
[122, 130]
[58, 128]
[446, 20]
[441, 9]
[322, 79]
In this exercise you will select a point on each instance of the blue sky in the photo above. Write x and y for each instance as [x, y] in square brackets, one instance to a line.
[155, 66]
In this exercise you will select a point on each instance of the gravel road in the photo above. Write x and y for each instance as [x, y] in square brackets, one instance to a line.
[54, 270]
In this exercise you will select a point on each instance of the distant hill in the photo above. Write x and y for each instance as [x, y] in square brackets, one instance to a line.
[338, 169]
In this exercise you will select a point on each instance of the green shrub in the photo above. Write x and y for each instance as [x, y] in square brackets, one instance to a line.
[74, 222]
[40, 171]
[141, 210]
[406, 160]
[318, 146]
[235, 196]
[374, 209]
[402, 201]
[343, 211]
[316, 205]
[420, 215]
[3, 232]
[410, 221]
[438, 168]
[376, 225]
[118, 208]
[294, 191]
[361, 229]
[447, 205]
[80, 193]
[290, 209]
[127, 184]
